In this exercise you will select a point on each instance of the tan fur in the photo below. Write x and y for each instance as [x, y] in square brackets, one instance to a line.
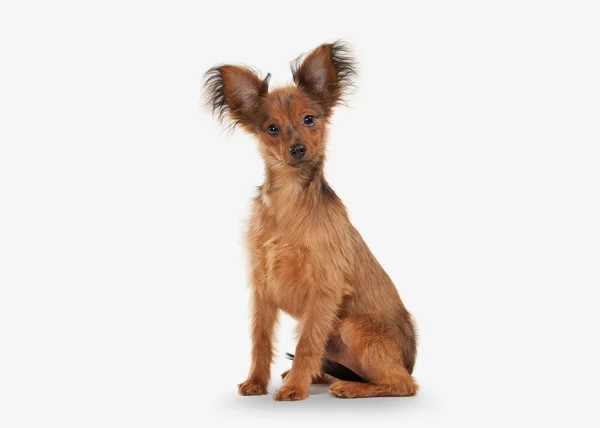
[306, 258]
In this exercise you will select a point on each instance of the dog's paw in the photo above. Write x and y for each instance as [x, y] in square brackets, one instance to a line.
[252, 387]
[290, 393]
[343, 389]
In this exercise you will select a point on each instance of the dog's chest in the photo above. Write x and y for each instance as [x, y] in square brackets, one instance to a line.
[283, 262]
[289, 272]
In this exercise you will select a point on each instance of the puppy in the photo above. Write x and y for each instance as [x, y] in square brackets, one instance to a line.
[306, 258]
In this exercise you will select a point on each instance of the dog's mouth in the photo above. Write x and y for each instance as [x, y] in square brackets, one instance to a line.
[299, 163]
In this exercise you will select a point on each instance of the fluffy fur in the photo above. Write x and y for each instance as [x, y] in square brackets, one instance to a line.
[306, 258]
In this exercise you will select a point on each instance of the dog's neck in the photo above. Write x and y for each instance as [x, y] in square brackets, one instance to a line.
[294, 179]
[286, 186]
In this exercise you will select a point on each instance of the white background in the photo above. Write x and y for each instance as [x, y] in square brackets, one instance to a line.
[468, 159]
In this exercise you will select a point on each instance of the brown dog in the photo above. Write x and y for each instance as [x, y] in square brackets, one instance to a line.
[306, 257]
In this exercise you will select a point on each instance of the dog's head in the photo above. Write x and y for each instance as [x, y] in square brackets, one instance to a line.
[289, 122]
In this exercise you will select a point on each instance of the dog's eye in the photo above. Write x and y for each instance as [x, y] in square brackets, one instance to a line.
[309, 120]
[272, 130]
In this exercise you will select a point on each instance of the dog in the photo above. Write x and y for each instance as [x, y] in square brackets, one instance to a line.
[306, 258]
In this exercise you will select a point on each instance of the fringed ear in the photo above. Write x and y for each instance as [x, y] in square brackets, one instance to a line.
[326, 74]
[235, 92]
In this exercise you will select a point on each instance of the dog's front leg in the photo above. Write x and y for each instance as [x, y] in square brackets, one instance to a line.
[264, 318]
[317, 323]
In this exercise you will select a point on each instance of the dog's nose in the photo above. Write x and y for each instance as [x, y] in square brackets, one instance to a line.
[297, 151]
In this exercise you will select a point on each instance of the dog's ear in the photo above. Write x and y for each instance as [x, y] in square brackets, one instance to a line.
[325, 74]
[235, 92]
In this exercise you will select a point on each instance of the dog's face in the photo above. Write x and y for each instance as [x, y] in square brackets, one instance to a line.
[290, 128]
[289, 122]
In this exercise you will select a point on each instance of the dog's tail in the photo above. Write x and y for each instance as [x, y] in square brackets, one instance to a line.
[336, 370]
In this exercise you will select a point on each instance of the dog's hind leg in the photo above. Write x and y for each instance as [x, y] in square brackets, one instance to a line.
[379, 355]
